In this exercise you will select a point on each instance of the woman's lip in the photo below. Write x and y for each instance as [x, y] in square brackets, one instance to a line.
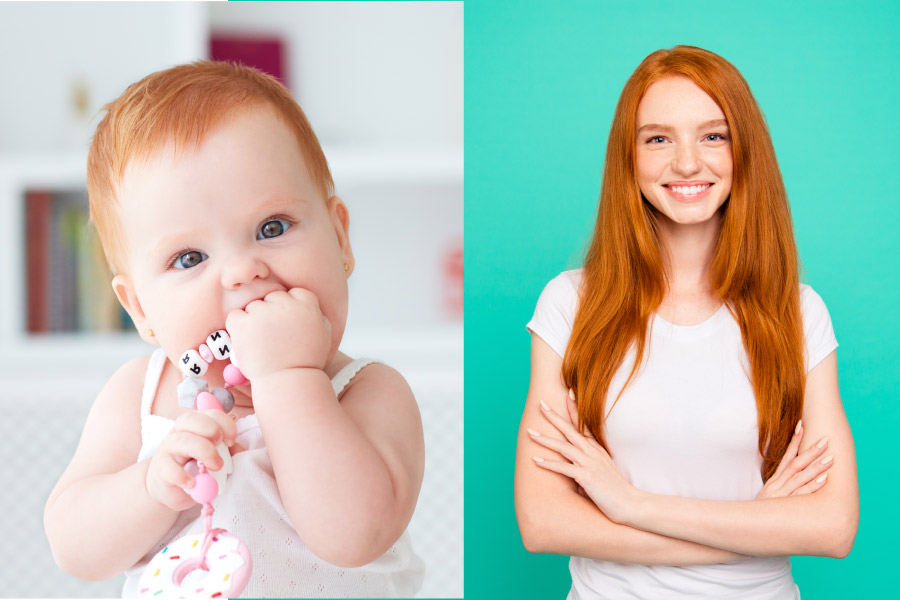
[686, 198]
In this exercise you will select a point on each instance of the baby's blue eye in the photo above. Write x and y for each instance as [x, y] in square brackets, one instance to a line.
[272, 229]
[189, 259]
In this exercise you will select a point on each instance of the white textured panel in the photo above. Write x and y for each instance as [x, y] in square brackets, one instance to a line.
[38, 434]
[437, 526]
[42, 422]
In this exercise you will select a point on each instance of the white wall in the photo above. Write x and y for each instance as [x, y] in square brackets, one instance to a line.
[367, 73]
[48, 48]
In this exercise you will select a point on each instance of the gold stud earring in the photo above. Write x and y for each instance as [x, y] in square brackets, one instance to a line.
[346, 267]
[150, 333]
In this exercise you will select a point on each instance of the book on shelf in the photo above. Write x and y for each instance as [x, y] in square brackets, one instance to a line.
[67, 279]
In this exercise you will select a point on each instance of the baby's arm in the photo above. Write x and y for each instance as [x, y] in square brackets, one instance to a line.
[348, 471]
[100, 518]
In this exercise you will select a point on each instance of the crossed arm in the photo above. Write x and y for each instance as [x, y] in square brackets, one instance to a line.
[610, 520]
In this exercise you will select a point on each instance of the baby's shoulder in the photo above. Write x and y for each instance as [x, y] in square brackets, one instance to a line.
[122, 391]
[376, 379]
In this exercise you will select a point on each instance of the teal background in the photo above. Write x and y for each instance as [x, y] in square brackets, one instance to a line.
[542, 81]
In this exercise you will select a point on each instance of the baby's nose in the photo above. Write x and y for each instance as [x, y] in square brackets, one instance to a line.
[240, 271]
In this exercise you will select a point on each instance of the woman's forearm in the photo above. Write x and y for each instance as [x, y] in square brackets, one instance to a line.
[813, 524]
[554, 520]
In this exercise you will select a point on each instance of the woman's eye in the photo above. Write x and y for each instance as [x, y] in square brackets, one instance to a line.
[272, 229]
[718, 137]
[189, 259]
[654, 138]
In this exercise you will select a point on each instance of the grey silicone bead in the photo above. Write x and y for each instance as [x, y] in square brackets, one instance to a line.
[225, 398]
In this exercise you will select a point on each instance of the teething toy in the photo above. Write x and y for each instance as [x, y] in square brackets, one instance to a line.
[216, 563]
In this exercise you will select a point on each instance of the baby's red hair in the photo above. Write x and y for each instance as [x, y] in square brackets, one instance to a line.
[181, 105]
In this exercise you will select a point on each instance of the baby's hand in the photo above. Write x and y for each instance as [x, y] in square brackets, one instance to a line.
[194, 437]
[282, 331]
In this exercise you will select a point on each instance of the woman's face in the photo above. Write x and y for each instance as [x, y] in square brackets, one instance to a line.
[683, 150]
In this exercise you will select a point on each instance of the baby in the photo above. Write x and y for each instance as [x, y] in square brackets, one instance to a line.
[215, 207]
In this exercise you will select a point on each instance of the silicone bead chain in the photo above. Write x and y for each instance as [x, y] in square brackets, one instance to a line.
[165, 574]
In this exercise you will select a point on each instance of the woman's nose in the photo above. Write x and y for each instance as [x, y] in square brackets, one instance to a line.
[687, 161]
[241, 270]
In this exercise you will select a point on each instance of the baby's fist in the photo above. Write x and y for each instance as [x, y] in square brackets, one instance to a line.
[283, 330]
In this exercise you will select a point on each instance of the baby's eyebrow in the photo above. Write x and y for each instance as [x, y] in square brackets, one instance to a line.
[669, 128]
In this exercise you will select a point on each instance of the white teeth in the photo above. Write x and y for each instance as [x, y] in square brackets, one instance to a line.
[689, 190]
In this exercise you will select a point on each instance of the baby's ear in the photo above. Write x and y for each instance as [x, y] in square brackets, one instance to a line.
[340, 217]
[128, 299]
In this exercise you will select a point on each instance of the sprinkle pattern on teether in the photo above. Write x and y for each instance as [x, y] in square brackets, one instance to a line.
[216, 563]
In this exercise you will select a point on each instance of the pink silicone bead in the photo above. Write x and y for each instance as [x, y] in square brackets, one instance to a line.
[205, 488]
[205, 353]
[233, 375]
[206, 401]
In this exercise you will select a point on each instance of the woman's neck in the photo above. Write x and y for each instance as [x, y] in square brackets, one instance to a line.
[688, 251]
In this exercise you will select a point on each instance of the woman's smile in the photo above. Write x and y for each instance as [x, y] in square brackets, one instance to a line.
[688, 192]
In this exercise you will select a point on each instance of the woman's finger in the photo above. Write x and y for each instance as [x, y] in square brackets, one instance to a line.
[813, 486]
[565, 427]
[561, 447]
[807, 457]
[808, 474]
[791, 451]
[571, 471]
[572, 409]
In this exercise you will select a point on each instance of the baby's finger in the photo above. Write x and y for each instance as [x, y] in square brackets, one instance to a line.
[226, 424]
[561, 447]
[813, 486]
[199, 424]
[185, 446]
[172, 473]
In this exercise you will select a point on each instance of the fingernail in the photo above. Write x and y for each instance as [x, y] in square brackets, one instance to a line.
[827, 459]
[822, 478]
[538, 459]
[534, 433]
[544, 405]
[799, 425]
[822, 442]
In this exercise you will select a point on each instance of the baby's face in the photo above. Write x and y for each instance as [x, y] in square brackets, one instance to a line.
[225, 224]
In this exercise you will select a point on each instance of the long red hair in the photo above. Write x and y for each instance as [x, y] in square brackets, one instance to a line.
[754, 268]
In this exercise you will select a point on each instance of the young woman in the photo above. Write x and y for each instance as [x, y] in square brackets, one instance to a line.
[683, 432]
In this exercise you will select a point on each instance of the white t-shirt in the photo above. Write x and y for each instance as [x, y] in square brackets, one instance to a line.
[685, 426]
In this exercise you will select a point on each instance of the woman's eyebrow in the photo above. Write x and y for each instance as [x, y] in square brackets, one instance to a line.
[704, 125]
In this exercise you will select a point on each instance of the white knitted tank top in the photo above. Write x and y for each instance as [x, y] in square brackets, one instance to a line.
[250, 507]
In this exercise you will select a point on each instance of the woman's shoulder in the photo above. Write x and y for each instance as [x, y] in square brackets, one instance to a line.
[811, 303]
[564, 285]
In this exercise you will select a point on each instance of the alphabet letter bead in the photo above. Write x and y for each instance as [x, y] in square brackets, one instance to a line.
[191, 364]
[220, 344]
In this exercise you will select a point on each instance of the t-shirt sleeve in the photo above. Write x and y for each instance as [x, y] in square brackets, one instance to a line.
[555, 311]
[817, 328]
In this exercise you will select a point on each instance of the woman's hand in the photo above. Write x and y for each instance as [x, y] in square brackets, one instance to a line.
[589, 465]
[798, 472]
